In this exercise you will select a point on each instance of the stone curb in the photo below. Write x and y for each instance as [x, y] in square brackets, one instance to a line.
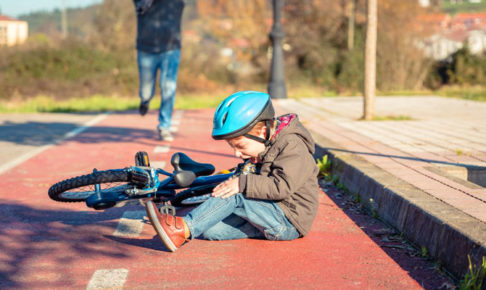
[448, 234]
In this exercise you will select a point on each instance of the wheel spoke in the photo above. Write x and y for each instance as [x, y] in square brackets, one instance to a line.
[85, 191]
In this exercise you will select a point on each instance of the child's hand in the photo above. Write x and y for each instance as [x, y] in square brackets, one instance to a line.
[226, 189]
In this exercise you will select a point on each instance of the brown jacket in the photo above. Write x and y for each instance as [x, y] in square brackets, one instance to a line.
[288, 175]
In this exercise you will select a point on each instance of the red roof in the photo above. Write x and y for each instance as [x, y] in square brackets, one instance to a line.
[435, 21]
[469, 20]
[435, 17]
[7, 18]
[461, 16]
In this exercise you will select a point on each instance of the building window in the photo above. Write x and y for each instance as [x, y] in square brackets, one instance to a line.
[3, 35]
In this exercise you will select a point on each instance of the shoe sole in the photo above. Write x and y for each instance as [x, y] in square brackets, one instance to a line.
[166, 139]
[152, 215]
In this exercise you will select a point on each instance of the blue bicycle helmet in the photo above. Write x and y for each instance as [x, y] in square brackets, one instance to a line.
[240, 112]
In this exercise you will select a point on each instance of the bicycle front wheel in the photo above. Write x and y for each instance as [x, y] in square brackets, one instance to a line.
[81, 187]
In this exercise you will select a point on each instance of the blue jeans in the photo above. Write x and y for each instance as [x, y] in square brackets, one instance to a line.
[168, 63]
[238, 217]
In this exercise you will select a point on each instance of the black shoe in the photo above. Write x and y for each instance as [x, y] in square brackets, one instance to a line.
[143, 109]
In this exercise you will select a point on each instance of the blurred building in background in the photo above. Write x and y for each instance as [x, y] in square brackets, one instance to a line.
[453, 33]
[12, 31]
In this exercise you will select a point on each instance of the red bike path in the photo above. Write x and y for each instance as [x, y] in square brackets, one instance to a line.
[47, 244]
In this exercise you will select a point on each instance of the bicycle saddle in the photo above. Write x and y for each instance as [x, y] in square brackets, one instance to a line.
[181, 161]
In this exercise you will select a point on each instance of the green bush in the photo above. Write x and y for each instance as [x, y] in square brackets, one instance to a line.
[351, 75]
[324, 165]
[70, 70]
[467, 68]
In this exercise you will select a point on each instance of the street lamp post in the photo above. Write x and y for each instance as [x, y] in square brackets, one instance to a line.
[276, 86]
[64, 20]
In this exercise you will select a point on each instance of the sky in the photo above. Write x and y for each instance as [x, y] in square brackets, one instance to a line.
[14, 8]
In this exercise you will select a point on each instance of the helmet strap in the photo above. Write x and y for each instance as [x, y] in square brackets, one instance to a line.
[265, 141]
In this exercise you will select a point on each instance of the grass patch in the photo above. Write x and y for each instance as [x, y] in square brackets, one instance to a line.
[103, 103]
[423, 252]
[95, 103]
[324, 165]
[193, 102]
[392, 118]
[310, 91]
[406, 93]
[475, 93]
[454, 8]
[100, 103]
[473, 279]
[468, 93]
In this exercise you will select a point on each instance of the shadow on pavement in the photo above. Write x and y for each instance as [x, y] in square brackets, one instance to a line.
[38, 243]
[426, 272]
[43, 133]
[40, 134]
[34, 133]
[320, 151]
[406, 255]
[152, 244]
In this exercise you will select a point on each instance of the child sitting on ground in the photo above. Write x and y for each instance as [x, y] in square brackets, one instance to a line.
[277, 202]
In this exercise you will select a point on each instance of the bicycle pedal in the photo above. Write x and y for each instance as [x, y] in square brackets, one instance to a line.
[167, 209]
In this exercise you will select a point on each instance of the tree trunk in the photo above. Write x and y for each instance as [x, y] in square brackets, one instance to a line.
[350, 14]
[370, 61]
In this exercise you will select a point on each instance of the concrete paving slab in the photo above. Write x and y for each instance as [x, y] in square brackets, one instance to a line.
[442, 213]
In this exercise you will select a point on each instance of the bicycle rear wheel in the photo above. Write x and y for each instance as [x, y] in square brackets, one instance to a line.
[81, 187]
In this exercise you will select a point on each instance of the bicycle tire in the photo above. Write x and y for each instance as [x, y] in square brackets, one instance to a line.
[193, 196]
[68, 190]
[142, 159]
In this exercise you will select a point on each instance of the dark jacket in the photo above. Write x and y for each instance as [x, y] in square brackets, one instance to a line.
[158, 25]
[288, 175]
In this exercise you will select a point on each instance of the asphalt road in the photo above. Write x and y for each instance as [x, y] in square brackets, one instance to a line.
[47, 244]
[25, 135]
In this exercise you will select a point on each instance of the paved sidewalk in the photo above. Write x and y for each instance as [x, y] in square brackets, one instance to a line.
[428, 151]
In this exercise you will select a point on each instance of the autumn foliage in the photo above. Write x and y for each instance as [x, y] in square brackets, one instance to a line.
[226, 45]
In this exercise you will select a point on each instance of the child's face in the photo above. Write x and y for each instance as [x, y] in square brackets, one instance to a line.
[246, 148]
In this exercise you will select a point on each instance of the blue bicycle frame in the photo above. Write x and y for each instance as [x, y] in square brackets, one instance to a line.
[155, 187]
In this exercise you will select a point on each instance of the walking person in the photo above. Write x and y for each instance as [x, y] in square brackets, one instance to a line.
[158, 49]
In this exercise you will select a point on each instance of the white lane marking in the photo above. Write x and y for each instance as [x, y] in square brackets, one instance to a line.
[130, 224]
[157, 164]
[85, 126]
[108, 279]
[162, 149]
[6, 166]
